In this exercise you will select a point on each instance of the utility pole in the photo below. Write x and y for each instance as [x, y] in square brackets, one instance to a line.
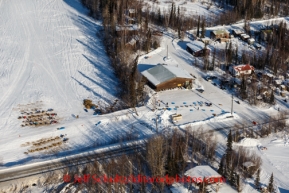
[232, 105]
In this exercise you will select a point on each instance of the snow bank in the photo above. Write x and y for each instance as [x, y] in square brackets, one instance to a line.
[218, 118]
[178, 188]
[248, 142]
[156, 51]
[281, 141]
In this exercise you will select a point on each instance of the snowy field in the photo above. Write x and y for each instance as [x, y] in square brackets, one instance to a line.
[50, 57]
[275, 160]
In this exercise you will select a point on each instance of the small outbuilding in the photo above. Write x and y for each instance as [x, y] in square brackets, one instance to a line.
[237, 32]
[222, 33]
[176, 117]
[131, 13]
[197, 48]
[245, 37]
[277, 82]
[251, 41]
[162, 77]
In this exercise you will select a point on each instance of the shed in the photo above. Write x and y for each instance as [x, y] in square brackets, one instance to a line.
[176, 117]
[163, 77]
[197, 48]
[245, 37]
[221, 33]
[238, 32]
[247, 165]
[131, 12]
[251, 40]
[277, 82]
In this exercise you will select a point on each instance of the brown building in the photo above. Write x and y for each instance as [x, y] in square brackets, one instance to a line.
[162, 77]
[197, 49]
[218, 34]
[131, 13]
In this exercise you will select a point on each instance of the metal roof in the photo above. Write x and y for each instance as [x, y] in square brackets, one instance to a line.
[196, 46]
[221, 31]
[162, 73]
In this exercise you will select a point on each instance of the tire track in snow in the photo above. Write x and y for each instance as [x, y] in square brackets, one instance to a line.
[47, 67]
[268, 168]
[21, 77]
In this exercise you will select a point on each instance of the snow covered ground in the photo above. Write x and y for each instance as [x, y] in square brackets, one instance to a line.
[198, 7]
[221, 105]
[51, 58]
[275, 158]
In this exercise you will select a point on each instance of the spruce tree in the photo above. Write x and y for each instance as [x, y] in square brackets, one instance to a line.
[272, 98]
[236, 56]
[270, 187]
[238, 184]
[221, 166]
[243, 89]
[229, 150]
[214, 59]
[257, 180]
[198, 29]
[159, 16]
[203, 29]
[232, 175]
[171, 15]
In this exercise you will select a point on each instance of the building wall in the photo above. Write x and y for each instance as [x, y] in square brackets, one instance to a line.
[173, 83]
[223, 35]
[199, 53]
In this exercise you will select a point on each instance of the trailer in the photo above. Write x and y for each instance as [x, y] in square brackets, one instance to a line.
[176, 117]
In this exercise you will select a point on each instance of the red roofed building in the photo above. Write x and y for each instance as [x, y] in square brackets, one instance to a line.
[244, 69]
